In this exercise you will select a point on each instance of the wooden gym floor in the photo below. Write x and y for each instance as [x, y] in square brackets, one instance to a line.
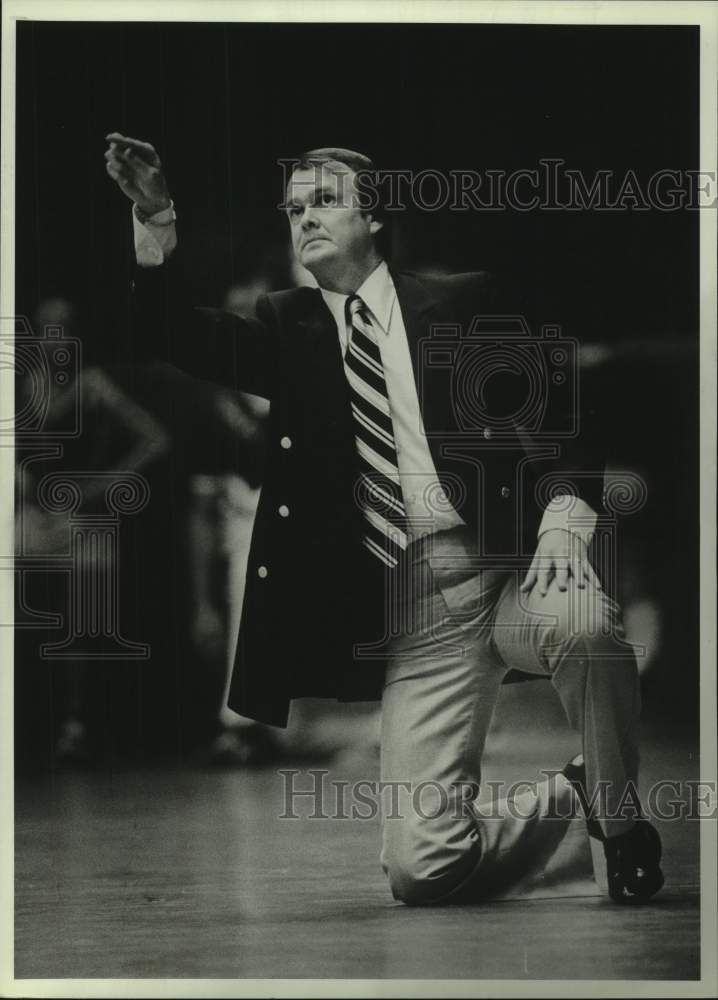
[189, 873]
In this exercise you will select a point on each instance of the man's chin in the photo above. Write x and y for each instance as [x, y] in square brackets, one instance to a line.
[317, 256]
[316, 250]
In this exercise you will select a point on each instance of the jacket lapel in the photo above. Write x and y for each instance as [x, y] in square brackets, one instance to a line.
[420, 309]
[328, 390]
[417, 304]
[324, 371]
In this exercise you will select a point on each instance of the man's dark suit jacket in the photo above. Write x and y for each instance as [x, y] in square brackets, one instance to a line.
[313, 592]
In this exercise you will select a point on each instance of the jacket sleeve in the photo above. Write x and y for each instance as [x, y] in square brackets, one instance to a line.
[212, 344]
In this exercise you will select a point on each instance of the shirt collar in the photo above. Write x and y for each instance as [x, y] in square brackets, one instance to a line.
[377, 292]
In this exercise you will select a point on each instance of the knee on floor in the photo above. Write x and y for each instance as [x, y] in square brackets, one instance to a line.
[416, 883]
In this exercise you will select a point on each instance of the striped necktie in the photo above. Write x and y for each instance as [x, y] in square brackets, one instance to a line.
[379, 489]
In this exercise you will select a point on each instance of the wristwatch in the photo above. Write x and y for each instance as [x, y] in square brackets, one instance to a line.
[165, 216]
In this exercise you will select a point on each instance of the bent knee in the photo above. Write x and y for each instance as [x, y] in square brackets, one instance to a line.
[419, 882]
[413, 887]
[589, 622]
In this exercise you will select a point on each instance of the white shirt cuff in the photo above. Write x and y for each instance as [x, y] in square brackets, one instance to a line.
[570, 514]
[155, 236]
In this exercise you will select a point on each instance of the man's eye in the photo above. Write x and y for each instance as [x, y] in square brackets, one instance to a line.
[327, 199]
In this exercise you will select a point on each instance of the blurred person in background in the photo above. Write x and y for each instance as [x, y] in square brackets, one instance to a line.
[117, 435]
[132, 419]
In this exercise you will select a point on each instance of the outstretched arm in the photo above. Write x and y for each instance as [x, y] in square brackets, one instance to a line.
[211, 344]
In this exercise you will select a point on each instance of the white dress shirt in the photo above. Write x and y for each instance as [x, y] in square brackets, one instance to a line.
[428, 508]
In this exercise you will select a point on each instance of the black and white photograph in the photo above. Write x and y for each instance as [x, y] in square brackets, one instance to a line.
[358, 565]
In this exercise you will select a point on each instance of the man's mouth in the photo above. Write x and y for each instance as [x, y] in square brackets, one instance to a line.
[314, 239]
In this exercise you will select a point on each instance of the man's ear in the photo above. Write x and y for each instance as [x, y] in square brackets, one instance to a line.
[375, 226]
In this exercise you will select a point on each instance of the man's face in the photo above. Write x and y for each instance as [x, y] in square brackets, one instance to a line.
[329, 232]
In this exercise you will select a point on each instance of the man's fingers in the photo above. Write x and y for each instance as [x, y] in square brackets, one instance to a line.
[118, 171]
[125, 181]
[131, 158]
[128, 170]
[544, 579]
[141, 167]
[562, 575]
[530, 578]
[563, 562]
[127, 140]
[145, 149]
[126, 160]
[590, 574]
[117, 161]
[577, 571]
[114, 170]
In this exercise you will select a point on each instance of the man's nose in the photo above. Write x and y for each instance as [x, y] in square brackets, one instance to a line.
[308, 219]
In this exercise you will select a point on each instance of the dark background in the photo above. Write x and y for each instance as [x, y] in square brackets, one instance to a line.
[222, 103]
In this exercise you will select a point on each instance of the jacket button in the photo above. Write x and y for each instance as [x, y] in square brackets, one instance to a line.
[286, 442]
[488, 434]
[284, 511]
[262, 572]
[505, 492]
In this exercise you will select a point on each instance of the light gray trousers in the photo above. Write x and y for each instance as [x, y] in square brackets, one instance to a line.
[456, 633]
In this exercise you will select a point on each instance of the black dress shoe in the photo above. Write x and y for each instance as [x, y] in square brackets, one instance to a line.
[632, 858]
[632, 863]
